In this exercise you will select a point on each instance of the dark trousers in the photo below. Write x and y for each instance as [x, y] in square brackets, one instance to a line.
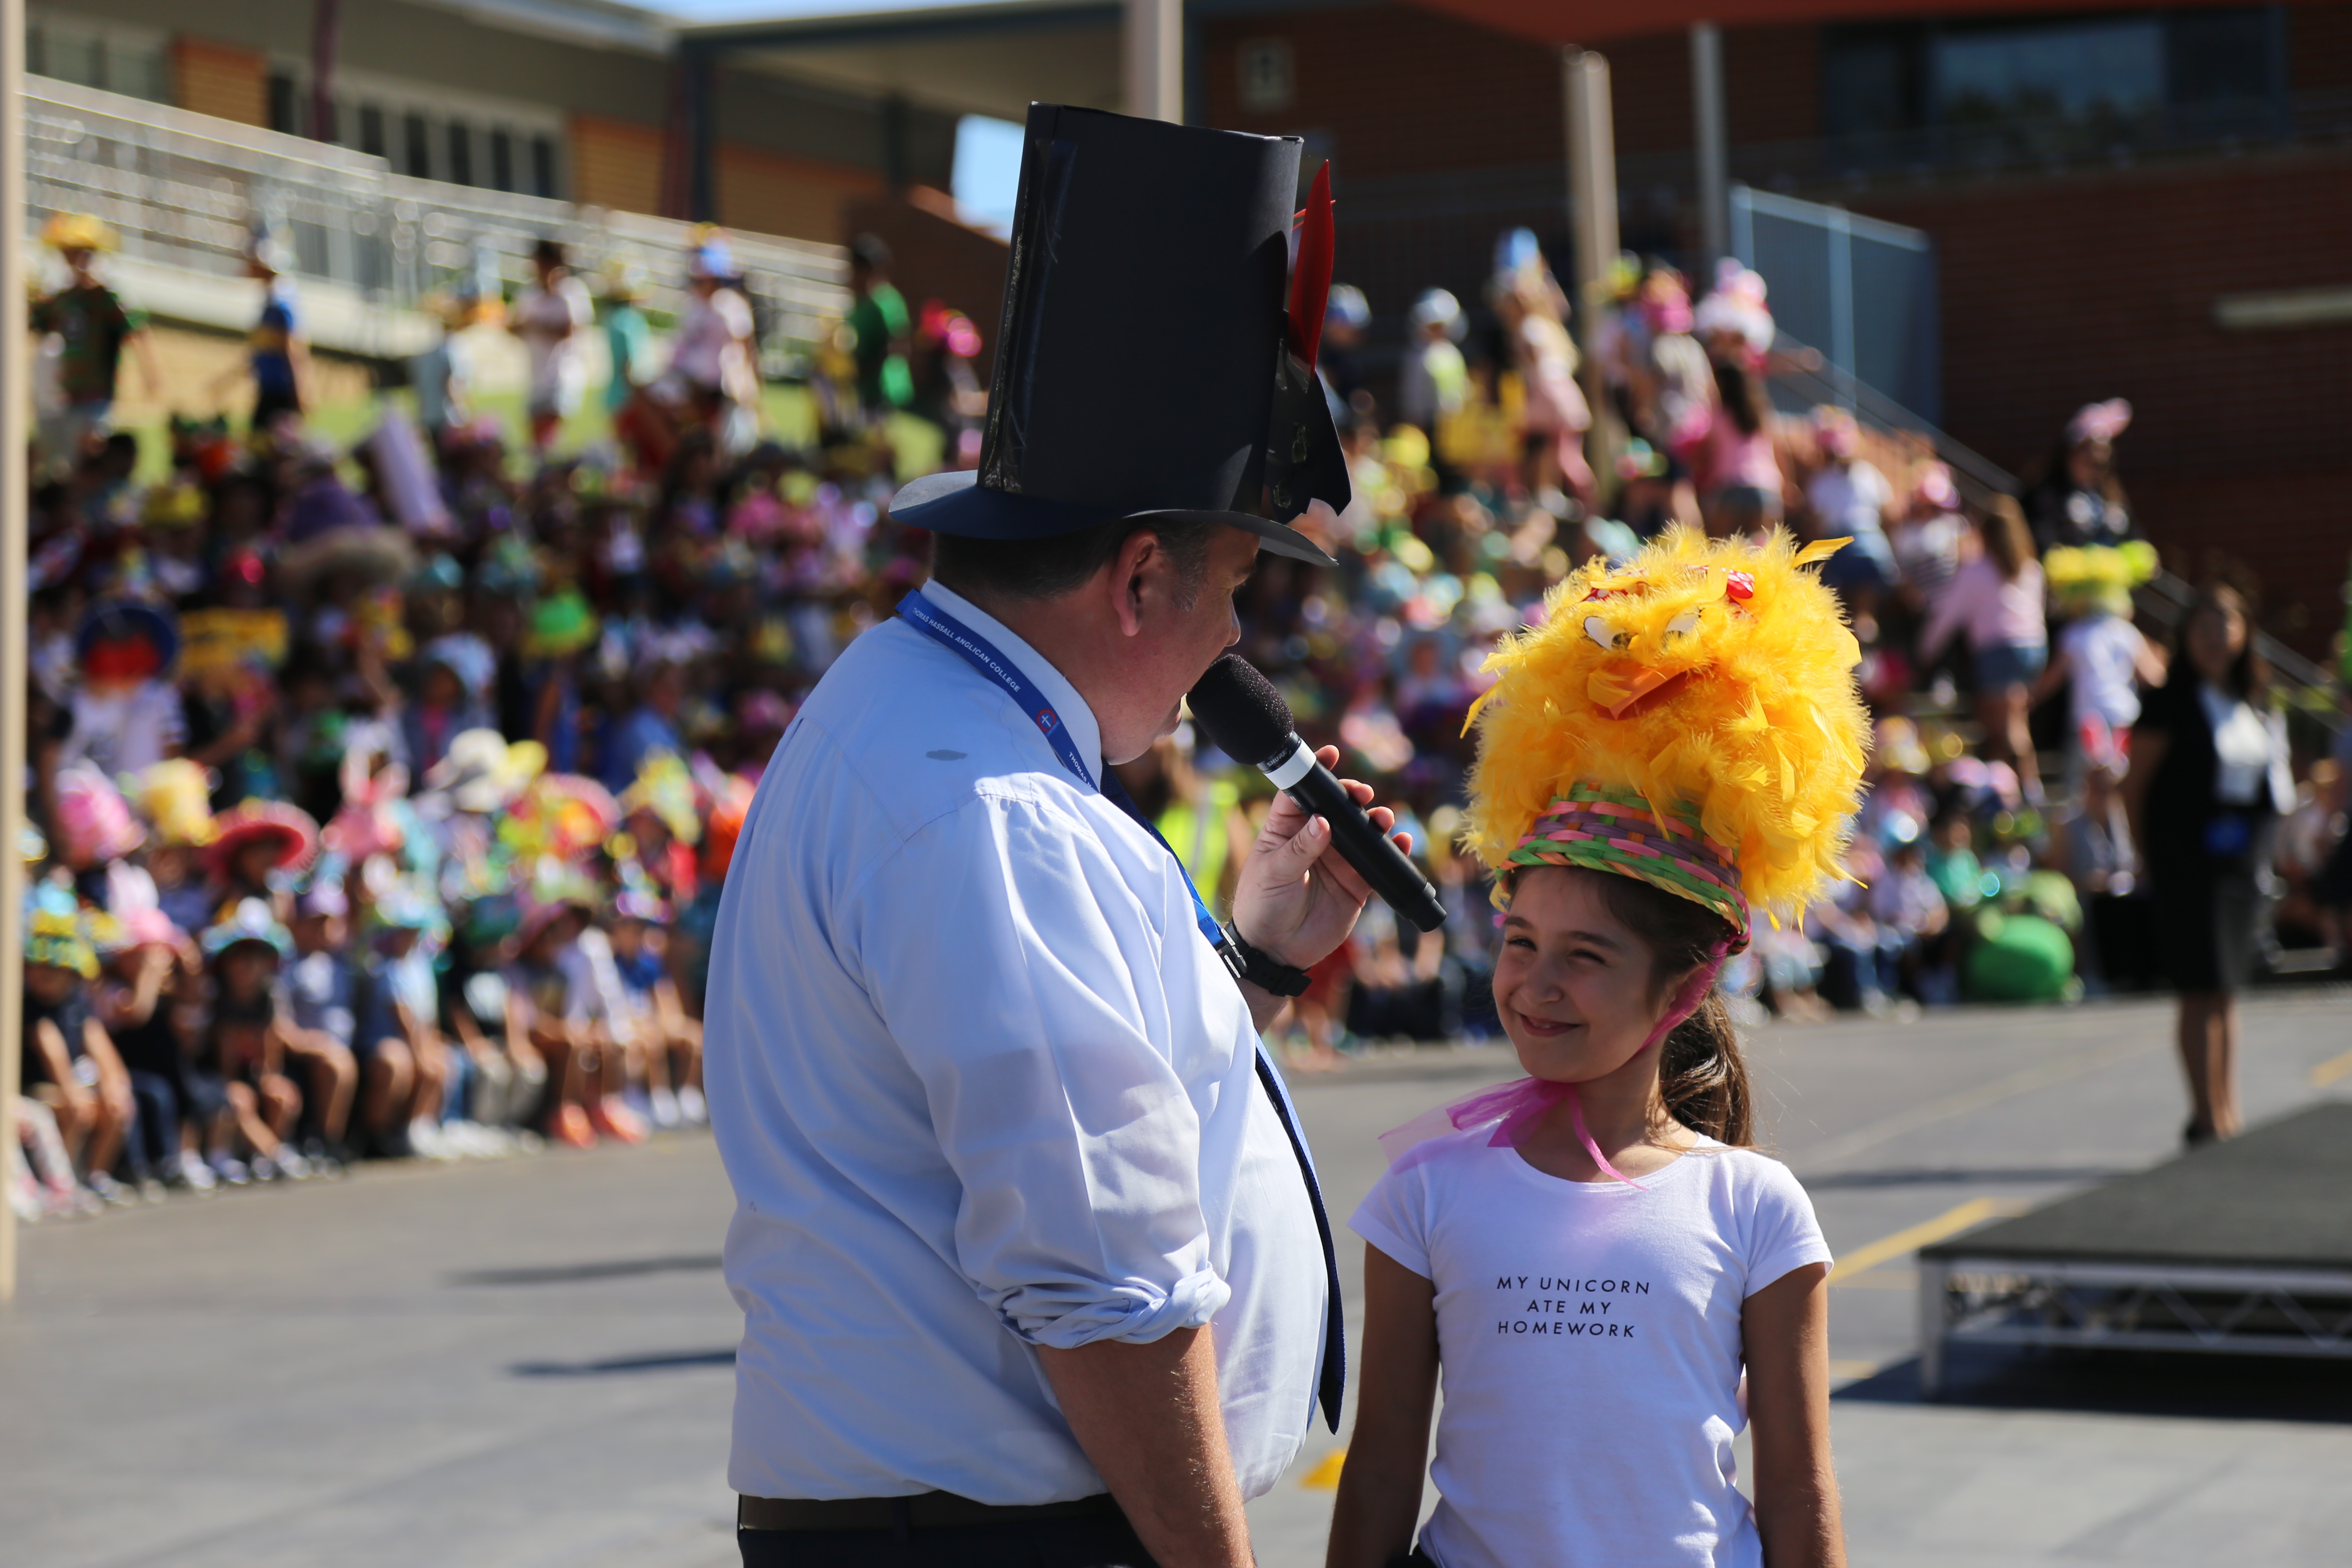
[1035, 1544]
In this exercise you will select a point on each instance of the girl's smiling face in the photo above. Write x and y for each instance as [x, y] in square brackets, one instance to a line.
[1574, 984]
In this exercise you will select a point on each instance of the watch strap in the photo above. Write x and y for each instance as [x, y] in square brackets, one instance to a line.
[1265, 971]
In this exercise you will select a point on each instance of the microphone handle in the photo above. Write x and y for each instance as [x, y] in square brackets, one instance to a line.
[1373, 852]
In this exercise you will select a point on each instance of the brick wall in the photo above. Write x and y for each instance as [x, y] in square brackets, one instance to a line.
[215, 80]
[617, 163]
[799, 198]
[2057, 291]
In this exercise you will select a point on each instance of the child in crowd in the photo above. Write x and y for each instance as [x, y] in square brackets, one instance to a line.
[1611, 1196]
[2101, 657]
[406, 1072]
[671, 1042]
[248, 1051]
[315, 990]
[507, 1076]
[69, 1063]
[150, 961]
[548, 1012]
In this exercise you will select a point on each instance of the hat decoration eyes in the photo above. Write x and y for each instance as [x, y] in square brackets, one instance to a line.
[1739, 587]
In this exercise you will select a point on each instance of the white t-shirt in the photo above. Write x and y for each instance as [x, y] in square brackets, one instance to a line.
[708, 350]
[1588, 1335]
[1849, 500]
[550, 322]
[2102, 656]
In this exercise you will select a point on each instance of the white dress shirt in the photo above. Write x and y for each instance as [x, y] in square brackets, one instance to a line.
[981, 1084]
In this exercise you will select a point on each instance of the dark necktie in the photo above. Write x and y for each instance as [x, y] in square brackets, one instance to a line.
[1332, 1381]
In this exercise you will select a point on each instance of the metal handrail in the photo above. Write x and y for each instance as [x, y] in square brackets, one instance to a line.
[185, 190]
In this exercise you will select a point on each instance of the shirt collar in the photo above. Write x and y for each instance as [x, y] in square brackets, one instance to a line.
[1084, 732]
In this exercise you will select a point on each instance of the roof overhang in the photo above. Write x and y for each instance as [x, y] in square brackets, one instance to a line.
[992, 59]
[1600, 21]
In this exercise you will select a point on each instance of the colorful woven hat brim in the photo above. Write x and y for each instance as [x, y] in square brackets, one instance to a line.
[1617, 830]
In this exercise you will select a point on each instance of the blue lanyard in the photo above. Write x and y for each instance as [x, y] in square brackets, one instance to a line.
[983, 655]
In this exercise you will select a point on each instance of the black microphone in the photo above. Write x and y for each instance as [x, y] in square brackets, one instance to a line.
[1248, 720]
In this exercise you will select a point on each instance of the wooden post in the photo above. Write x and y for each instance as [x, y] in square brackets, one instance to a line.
[1154, 51]
[1593, 201]
[1714, 150]
[15, 368]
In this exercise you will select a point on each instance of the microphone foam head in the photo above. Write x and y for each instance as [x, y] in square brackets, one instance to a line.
[1243, 713]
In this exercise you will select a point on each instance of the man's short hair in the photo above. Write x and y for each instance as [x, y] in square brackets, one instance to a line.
[1030, 569]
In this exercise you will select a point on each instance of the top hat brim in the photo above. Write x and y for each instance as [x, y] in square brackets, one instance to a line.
[957, 503]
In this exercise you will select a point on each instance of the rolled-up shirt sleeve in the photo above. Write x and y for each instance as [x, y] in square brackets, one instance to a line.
[1021, 977]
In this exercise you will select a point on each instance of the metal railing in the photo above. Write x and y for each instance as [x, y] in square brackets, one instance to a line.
[185, 191]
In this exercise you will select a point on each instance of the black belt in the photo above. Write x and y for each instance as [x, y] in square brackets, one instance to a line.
[924, 1510]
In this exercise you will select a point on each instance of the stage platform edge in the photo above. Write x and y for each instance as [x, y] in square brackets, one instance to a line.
[2236, 1249]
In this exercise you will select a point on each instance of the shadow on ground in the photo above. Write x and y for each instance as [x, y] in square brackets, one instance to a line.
[2124, 1383]
[672, 1360]
[582, 1273]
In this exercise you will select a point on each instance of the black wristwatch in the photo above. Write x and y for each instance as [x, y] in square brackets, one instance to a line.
[1266, 973]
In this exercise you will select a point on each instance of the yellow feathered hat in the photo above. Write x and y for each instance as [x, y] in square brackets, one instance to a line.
[1690, 718]
[2084, 575]
[77, 231]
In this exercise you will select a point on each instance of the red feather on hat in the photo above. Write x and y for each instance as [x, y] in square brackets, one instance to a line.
[1311, 275]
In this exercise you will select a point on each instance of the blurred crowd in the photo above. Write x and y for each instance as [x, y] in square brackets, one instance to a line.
[383, 796]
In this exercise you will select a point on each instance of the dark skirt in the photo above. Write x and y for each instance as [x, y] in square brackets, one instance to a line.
[2208, 930]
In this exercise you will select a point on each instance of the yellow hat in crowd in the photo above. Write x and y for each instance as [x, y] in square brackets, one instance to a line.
[77, 231]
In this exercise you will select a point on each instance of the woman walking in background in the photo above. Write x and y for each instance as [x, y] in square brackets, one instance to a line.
[1997, 599]
[2208, 779]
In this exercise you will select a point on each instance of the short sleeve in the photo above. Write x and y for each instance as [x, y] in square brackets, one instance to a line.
[1394, 1217]
[1047, 1069]
[1782, 1234]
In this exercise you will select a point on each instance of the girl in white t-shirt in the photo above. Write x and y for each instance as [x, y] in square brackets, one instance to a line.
[1613, 1283]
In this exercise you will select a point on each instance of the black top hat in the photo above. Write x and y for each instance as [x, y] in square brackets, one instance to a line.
[1142, 365]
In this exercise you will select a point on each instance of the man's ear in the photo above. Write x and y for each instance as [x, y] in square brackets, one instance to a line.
[1135, 574]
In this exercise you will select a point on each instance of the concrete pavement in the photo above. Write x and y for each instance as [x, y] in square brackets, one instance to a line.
[528, 1362]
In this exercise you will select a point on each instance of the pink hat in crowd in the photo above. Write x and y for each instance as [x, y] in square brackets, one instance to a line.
[94, 822]
[2099, 422]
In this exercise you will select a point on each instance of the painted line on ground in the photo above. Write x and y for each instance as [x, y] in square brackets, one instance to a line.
[1951, 1222]
[2328, 1071]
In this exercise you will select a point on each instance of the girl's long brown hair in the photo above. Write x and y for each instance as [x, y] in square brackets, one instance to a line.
[2007, 539]
[1701, 1074]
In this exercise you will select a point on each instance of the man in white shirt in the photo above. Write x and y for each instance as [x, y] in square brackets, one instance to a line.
[1032, 1264]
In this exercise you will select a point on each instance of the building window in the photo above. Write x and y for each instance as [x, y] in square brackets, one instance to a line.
[1268, 79]
[417, 142]
[371, 119]
[285, 104]
[543, 166]
[501, 161]
[2009, 91]
[461, 153]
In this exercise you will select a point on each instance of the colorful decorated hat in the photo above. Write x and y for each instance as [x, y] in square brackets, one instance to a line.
[560, 623]
[125, 639]
[2101, 422]
[175, 797]
[56, 938]
[94, 822]
[1690, 718]
[77, 231]
[291, 827]
[2083, 577]
[249, 922]
[664, 787]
